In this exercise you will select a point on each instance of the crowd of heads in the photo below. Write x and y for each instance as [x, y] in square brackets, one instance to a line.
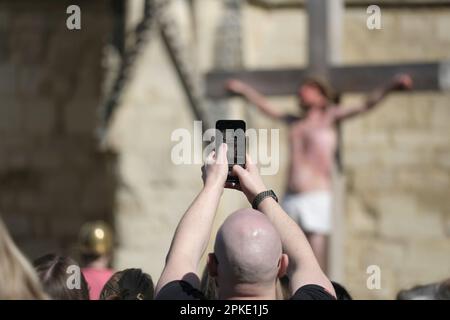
[50, 276]
[56, 277]
[236, 260]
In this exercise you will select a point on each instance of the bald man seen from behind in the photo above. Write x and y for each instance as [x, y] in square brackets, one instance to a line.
[253, 247]
[248, 256]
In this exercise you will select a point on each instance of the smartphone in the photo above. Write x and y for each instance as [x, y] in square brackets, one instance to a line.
[232, 132]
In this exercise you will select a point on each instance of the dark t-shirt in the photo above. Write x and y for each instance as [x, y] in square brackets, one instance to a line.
[182, 290]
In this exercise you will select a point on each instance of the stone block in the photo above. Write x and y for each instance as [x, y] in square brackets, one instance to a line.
[360, 157]
[404, 219]
[359, 218]
[80, 116]
[426, 181]
[8, 78]
[29, 44]
[30, 79]
[11, 111]
[18, 225]
[96, 195]
[286, 29]
[371, 179]
[440, 114]
[34, 248]
[65, 225]
[39, 117]
[48, 158]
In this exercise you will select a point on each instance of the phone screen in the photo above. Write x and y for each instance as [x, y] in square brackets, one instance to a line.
[232, 132]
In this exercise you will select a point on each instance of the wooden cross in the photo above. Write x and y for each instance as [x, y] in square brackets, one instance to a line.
[324, 26]
[324, 32]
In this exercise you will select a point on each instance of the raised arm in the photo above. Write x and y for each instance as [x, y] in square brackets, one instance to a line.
[193, 231]
[303, 267]
[399, 82]
[254, 97]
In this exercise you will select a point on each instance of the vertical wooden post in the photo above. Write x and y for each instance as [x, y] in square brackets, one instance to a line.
[318, 46]
[325, 39]
[335, 15]
[334, 29]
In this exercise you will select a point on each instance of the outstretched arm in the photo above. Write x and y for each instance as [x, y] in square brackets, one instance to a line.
[254, 97]
[399, 82]
[303, 267]
[193, 232]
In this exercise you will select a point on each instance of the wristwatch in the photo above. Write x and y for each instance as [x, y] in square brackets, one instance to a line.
[261, 196]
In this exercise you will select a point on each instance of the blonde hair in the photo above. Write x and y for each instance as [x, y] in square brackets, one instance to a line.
[18, 279]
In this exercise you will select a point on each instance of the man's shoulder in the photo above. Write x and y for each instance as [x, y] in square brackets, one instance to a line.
[179, 290]
[312, 292]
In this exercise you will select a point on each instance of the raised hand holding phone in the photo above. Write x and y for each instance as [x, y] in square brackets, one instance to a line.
[215, 169]
[251, 183]
[232, 132]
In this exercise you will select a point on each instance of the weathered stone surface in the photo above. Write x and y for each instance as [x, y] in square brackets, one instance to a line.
[404, 172]
[52, 177]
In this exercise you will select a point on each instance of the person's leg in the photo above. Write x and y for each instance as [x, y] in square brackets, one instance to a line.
[319, 245]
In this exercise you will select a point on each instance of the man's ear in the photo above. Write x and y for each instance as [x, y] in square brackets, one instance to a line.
[212, 265]
[283, 265]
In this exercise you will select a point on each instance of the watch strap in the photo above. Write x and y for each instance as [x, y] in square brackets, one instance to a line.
[261, 196]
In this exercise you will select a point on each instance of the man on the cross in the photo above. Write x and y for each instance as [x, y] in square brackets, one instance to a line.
[313, 143]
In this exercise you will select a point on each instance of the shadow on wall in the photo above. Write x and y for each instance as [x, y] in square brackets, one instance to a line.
[53, 177]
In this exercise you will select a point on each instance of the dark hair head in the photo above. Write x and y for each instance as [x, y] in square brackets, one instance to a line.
[129, 284]
[208, 286]
[61, 278]
[323, 86]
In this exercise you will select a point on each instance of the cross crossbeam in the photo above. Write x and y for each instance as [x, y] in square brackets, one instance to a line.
[323, 30]
[427, 76]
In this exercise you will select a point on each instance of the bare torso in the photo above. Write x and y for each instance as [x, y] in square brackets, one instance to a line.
[313, 142]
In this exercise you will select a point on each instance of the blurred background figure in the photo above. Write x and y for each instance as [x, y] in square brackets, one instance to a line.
[129, 284]
[433, 291]
[56, 274]
[95, 245]
[17, 277]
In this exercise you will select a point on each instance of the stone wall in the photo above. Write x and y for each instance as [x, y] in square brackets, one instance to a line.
[52, 175]
[397, 160]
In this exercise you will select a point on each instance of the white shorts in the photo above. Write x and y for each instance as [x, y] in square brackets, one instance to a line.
[311, 210]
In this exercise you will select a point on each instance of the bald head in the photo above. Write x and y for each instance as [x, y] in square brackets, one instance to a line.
[248, 248]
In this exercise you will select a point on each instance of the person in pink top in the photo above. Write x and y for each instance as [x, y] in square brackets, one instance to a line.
[96, 244]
